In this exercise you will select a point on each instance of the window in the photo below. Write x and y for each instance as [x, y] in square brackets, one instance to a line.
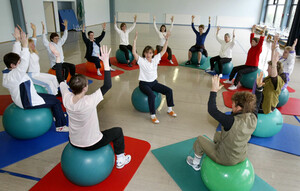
[292, 14]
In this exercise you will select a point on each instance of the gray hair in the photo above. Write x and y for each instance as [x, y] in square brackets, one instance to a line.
[227, 34]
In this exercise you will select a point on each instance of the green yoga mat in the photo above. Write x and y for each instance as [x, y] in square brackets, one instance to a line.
[173, 159]
[204, 66]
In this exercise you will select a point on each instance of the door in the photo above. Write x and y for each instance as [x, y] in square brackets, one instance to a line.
[49, 17]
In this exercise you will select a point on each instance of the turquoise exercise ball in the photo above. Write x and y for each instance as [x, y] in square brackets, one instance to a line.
[283, 97]
[269, 124]
[140, 100]
[227, 68]
[40, 89]
[120, 55]
[87, 168]
[248, 79]
[218, 177]
[26, 123]
[194, 59]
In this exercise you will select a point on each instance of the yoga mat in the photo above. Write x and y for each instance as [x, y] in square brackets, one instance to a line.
[117, 180]
[5, 101]
[292, 107]
[227, 98]
[173, 159]
[223, 77]
[80, 69]
[291, 90]
[114, 61]
[240, 88]
[204, 66]
[13, 150]
[167, 63]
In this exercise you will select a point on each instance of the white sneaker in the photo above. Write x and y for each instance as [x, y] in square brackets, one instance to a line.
[209, 70]
[62, 129]
[99, 73]
[220, 75]
[121, 162]
[190, 161]
[171, 62]
[227, 82]
[232, 87]
[111, 69]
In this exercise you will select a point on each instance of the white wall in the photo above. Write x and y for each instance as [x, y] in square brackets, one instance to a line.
[96, 11]
[6, 21]
[242, 10]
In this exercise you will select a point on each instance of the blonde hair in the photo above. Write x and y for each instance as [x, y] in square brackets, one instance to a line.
[288, 48]
[30, 50]
[246, 100]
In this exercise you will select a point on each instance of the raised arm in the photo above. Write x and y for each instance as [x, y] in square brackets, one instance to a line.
[208, 29]
[23, 66]
[193, 27]
[155, 27]
[17, 44]
[294, 44]
[164, 49]
[217, 35]
[275, 58]
[134, 23]
[172, 23]
[107, 76]
[99, 38]
[233, 38]
[45, 40]
[135, 55]
[63, 39]
[33, 27]
[259, 90]
[252, 33]
[116, 27]
[84, 38]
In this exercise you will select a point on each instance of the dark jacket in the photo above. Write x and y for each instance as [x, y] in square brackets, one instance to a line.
[89, 43]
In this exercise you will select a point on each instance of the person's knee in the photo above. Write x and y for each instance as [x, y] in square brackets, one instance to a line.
[118, 130]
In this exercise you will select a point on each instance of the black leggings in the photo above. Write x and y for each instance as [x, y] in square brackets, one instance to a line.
[239, 71]
[148, 88]
[63, 70]
[114, 135]
[220, 61]
[169, 51]
[199, 48]
[125, 49]
[95, 60]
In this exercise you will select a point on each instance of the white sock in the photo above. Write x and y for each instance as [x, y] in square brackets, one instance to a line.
[153, 116]
[196, 160]
[120, 156]
[170, 109]
[98, 70]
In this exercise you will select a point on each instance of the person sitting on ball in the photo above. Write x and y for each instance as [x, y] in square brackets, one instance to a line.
[229, 146]
[83, 118]
[148, 73]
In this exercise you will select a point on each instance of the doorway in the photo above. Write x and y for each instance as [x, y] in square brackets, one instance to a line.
[49, 17]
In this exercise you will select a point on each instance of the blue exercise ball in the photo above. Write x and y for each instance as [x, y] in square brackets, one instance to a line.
[218, 177]
[283, 97]
[87, 168]
[227, 68]
[26, 123]
[140, 100]
[194, 59]
[120, 55]
[40, 89]
[249, 79]
[269, 124]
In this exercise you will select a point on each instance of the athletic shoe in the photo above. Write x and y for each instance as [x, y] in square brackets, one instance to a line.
[188, 63]
[172, 113]
[198, 65]
[111, 69]
[209, 70]
[62, 129]
[99, 73]
[190, 161]
[171, 62]
[121, 162]
[220, 75]
[129, 65]
[232, 87]
[227, 82]
[155, 120]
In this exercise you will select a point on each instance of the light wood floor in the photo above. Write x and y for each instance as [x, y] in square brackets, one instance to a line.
[191, 90]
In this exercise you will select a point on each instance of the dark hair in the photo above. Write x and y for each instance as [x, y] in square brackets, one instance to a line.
[122, 24]
[279, 70]
[90, 33]
[147, 49]
[162, 27]
[255, 39]
[201, 26]
[11, 58]
[246, 100]
[53, 35]
[77, 83]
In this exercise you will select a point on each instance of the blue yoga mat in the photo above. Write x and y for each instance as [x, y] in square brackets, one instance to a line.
[13, 150]
[223, 77]
[173, 159]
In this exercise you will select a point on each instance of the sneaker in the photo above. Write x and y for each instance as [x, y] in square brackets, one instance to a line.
[198, 65]
[123, 161]
[172, 113]
[227, 82]
[62, 129]
[155, 120]
[129, 65]
[190, 161]
[209, 71]
[188, 63]
[232, 87]
[220, 75]
[171, 62]
[99, 73]
[111, 69]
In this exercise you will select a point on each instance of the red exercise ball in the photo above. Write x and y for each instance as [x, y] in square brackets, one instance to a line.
[53, 72]
[164, 57]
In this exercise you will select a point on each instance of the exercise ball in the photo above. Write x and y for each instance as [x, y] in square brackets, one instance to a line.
[163, 57]
[53, 72]
[227, 67]
[283, 97]
[87, 168]
[40, 89]
[140, 100]
[194, 59]
[91, 67]
[269, 124]
[248, 79]
[120, 55]
[217, 177]
[26, 123]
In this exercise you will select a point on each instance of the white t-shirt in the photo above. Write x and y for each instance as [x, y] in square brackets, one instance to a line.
[148, 70]
[84, 129]
[124, 38]
[161, 35]
[288, 64]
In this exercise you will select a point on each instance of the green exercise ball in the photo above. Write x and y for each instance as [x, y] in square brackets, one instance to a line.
[269, 124]
[120, 55]
[194, 59]
[87, 168]
[40, 89]
[227, 68]
[249, 79]
[26, 123]
[140, 100]
[217, 177]
[283, 97]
